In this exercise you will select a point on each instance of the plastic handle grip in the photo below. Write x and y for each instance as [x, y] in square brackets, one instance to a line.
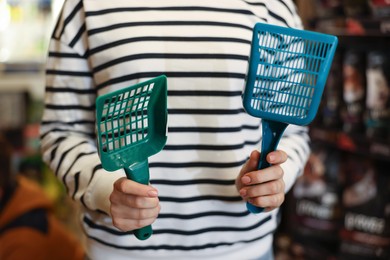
[139, 172]
[272, 132]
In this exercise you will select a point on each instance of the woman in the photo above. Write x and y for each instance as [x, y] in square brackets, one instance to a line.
[200, 181]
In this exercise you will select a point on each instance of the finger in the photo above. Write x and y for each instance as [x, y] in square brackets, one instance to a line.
[131, 224]
[270, 201]
[252, 162]
[265, 189]
[135, 213]
[133, 201]
[257, 177]
[139, 202]
[134, 188]
[277, 157]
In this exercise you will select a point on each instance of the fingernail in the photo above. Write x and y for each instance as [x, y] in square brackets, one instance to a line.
[152, 193]
[272, 157]
[246, 180]
[243, 193]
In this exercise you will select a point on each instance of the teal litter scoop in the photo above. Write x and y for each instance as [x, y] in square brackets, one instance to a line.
[287, 72]
[132, 126]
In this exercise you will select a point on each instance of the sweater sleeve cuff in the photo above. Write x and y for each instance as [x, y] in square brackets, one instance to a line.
[291, 172]
[98, 195]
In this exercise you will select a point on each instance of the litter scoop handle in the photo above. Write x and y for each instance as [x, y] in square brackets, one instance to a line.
[272, 132]
[140, 173]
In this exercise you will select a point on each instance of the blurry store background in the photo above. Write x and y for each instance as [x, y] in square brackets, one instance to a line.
[339, 208]
[25, 28]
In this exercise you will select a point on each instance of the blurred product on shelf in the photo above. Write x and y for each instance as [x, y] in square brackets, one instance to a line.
[356, 17]
[365, 233]
[321, 14]
[380, 8]
[378, 95]
[29, 228]
[14, 116]
[354, 86]
[19, 120]
[13, 107]
[332, 101]
[367, 26]
[355, 8]
[315, 208]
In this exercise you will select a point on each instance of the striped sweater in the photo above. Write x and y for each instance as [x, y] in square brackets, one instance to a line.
[202, 47]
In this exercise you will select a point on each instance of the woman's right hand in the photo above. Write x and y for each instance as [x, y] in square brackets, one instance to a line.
[133, 205]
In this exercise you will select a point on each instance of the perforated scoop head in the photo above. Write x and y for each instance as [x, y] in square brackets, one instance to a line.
[287, 72]
[131, 123]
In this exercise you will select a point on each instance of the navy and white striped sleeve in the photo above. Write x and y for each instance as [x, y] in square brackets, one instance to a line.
[68, 127]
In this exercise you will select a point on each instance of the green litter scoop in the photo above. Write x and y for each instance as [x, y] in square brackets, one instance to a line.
[131, 126]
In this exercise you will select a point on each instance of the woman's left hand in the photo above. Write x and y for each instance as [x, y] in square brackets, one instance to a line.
[263, 188]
